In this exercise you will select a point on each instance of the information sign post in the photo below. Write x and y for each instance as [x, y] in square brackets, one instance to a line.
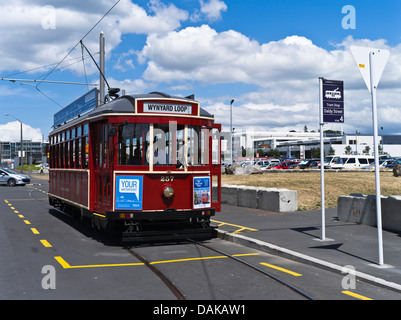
[331, 100]
[371, 63]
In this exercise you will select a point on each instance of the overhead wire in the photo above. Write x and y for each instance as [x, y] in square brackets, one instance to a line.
[65, 57]
[80, 41]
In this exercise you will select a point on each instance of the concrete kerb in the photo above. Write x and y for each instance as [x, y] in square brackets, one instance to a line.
[296, 256]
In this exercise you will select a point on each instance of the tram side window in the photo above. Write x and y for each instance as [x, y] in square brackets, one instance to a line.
[216, 146]
[133, 143]
[78, 153]
[198, 146]
[85, 152]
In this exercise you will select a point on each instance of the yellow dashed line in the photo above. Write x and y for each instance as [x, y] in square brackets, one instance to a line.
[35, 231]
[355, 295]
[27, 222]
[282, 269]
[45, 243]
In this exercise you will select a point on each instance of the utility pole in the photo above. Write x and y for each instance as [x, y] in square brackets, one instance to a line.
[102, 70]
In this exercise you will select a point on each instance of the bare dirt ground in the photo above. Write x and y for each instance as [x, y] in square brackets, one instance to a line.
[308, 185]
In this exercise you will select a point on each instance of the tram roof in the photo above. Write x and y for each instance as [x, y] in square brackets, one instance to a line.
[126, 104]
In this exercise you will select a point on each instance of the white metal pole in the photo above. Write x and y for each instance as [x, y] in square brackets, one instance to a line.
[322, 158]
[376, 156]
[231, 131]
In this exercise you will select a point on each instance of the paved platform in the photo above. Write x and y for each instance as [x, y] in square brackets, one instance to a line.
[297, 235]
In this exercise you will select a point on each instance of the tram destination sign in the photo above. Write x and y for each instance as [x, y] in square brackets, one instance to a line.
[157, 107]
[333, 101]
[87, 102]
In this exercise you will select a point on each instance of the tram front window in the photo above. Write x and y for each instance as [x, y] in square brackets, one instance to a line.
[173, 145]
[133, 142]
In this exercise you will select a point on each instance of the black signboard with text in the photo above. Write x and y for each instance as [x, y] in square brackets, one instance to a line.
[333, 101]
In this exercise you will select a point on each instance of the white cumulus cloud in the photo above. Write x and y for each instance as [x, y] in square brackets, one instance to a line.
[11, 131]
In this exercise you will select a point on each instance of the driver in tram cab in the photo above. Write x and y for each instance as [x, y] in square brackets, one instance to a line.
[136, 159]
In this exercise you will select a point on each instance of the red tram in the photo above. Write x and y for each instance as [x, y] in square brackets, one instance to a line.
[147, 166]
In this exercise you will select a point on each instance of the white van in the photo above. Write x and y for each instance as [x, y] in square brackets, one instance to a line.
[351, 161]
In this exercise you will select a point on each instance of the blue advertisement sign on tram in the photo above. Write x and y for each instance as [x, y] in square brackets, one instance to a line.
[129, 191]
[87, 102]
[202, 193]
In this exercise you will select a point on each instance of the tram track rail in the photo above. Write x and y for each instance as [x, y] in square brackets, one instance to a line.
[268, 274]
[173, 288]
[181, 296]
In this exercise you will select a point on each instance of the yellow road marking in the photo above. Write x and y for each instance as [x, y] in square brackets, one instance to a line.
[21, 216]
[12, 208]
[27, 222]
[46, 244]
[282, 269]
[241, 228]
[355, 295]
[6, 201]
[16, 211]
[35, 231]
[66, 265]
[27, 199]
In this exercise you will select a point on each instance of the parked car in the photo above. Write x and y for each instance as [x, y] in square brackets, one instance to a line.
[393, 163]
[284, 165]
[352, 162]
[304, 164]
[382, 164]
[315, 164]
[12, 178]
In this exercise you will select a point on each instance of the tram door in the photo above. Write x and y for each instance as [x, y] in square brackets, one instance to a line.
[215, 160]
[102, 157]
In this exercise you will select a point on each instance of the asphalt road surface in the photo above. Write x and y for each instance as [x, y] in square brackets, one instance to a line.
[45, 254]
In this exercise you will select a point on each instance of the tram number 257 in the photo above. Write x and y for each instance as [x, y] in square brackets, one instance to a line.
[167, 178]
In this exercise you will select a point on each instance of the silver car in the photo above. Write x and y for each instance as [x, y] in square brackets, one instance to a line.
[12, 178]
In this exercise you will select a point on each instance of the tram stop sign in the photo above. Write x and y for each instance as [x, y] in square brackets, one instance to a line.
[333, 101]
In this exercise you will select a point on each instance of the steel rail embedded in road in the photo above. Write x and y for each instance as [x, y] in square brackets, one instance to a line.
[285, 283]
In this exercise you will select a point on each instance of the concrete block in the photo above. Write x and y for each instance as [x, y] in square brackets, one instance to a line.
[361, 209]
[357, 208]
[279, 200]
[229, 195]
[247, 197]
[270, 199]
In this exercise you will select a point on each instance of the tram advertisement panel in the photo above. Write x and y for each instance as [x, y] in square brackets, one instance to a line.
[129, 190]
[201, 189]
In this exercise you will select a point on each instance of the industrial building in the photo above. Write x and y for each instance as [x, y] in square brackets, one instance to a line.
[33, 152]
[299, 144]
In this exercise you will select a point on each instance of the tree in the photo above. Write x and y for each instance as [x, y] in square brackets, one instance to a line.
[273, 153]
[331, 151]
[315, 153]
[366, 150]
[261, 152]
[348, 150]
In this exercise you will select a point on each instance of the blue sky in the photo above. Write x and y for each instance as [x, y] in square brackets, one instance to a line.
[267, 55]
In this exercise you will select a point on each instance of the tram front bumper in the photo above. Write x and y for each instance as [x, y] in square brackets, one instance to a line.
[165, 225]
[169, 214]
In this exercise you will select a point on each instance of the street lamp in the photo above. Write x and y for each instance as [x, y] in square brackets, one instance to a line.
[231, 130]
[22, 150]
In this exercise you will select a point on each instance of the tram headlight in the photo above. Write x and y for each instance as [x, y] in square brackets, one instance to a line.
[168, 192]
